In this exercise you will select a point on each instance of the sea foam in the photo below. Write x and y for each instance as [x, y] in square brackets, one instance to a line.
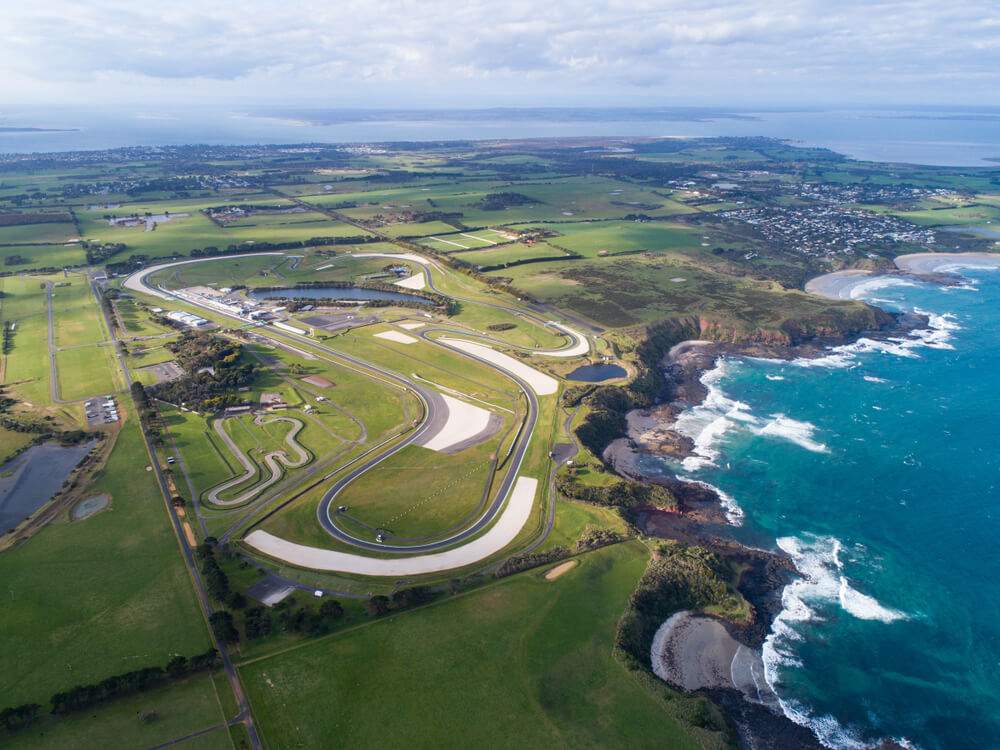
[706, 423]
[823, 585]
[937, 335]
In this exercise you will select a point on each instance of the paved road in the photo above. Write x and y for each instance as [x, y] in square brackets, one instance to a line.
[325, 515]
[244, 715]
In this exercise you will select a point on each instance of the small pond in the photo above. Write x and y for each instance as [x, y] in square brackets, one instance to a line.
[33, 478]
[333, 293]
[597, 373]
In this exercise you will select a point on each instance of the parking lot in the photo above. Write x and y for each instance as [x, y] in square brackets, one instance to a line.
[101, 410]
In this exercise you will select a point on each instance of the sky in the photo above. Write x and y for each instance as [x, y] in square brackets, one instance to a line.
[444, 53]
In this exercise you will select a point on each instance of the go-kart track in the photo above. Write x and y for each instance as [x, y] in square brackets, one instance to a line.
[449, 424]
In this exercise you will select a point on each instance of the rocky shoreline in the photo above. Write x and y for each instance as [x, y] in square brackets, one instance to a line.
[701, 518]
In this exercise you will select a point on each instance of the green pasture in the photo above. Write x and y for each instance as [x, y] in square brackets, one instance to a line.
[614, 237]
[512, 253]
[43, 256]
[524, 653]
[47, 234]
[101, 596]
[86, 371]
[180, 709]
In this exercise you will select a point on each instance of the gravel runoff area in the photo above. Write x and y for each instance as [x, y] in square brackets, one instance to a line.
[582, 344]
[519, 508]
[416, 281]
[397, 336]
[463, 425]
[695, 651]
[842, 284]
[540, 383]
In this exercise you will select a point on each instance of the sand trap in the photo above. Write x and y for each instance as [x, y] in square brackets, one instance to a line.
[190, 535]
[399, 338]
[581, 347]
[518, 510]
[411, 326]
[463, 423]
[90, 506]
[416, 281]
[540, 383]
[553, 573]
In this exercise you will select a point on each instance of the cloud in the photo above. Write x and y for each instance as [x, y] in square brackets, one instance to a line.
[601, 47]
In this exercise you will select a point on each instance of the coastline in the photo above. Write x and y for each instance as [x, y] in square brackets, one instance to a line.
[689, 651]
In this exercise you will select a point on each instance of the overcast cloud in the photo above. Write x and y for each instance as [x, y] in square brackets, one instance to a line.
[444, 53]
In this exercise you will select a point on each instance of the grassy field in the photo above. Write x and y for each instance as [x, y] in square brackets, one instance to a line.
[613, 237]
[43, 256]
[86, 371]
[135, 320]
[620, 292]
[100, 596]
[180, 709]
[526, 663]
[419, 492]
[509, 254]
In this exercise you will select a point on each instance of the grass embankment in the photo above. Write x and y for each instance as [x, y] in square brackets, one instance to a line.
[97, 597]
[524, 663]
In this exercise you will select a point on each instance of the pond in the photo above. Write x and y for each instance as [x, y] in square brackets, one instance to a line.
[333, 293]
[33, 478]
[597, 373]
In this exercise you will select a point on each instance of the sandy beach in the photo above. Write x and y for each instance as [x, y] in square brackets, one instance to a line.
[837, 285]
[840, 284]
[696, 652]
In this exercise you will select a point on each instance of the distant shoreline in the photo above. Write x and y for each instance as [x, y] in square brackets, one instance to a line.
[923, 266]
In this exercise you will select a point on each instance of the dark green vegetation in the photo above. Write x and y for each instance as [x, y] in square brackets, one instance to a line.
[214, 370]
[678, 577]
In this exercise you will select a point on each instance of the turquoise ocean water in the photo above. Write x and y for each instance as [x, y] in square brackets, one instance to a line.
[876, 469]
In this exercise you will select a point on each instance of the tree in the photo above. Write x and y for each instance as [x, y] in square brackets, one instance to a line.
[19, 716]
[331, 609]
[222, 626]
[411, 597]
[177, 667]
[236, 600]
[377, 606]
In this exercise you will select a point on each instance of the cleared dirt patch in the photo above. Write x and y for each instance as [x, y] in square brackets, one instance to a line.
[553, 573]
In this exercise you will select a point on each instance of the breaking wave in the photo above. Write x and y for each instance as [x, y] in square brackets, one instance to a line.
[734, 513]
[706, 423]
[937, 335]
[823, 586]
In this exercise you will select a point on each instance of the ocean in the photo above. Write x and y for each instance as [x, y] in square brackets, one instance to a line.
[918, 135]
[875, 468]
